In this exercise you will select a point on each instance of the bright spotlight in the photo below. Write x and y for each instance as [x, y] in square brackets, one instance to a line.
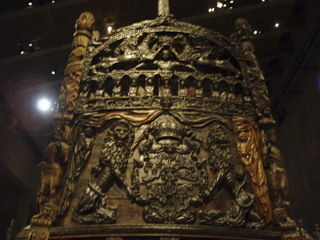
[44, 105]
[219, 4]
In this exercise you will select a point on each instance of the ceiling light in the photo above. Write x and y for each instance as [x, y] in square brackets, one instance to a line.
[53, 72]
[255, 32]
[231, 2]
[219, 4]
[276, 25]
[53, 1]
[263, 0]
[30, 3]
[30, 44]
[224, 5]
[109, 29]
[211, 10]
[22, 52]
[44, 105]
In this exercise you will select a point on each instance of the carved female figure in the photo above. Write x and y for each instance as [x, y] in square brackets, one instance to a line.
[247, 140]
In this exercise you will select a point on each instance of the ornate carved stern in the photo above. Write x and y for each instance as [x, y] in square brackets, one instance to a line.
[164, 131]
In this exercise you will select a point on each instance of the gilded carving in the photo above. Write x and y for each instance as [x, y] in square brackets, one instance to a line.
[247, 140]
[70, 86]
[56, 156]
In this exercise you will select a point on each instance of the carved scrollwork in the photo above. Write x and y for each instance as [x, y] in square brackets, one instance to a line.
[113, 161]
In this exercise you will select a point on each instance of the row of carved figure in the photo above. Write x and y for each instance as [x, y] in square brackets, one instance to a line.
[218, 91]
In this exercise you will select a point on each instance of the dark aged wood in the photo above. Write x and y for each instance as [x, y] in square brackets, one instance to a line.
[157, 230]
[165, 131]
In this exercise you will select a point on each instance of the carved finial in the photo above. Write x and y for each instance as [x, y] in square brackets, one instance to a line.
[163, 8]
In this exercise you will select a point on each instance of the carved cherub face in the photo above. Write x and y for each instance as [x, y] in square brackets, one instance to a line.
[121, 132]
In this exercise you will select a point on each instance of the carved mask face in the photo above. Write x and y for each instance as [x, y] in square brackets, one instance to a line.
[243, 143]
[121, 132]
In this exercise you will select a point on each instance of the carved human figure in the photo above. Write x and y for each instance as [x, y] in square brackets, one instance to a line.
[231, 97]
[182, 92]
[199, 90]
[166, 90]
[191, 91]
[215, 92]
[100, 91]
[56, 156]
[133, 89]
[116, 92]
[149, 87]
[247, 140]
[113, 161]
[276, 173]
[247, 98]
[223, 94]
